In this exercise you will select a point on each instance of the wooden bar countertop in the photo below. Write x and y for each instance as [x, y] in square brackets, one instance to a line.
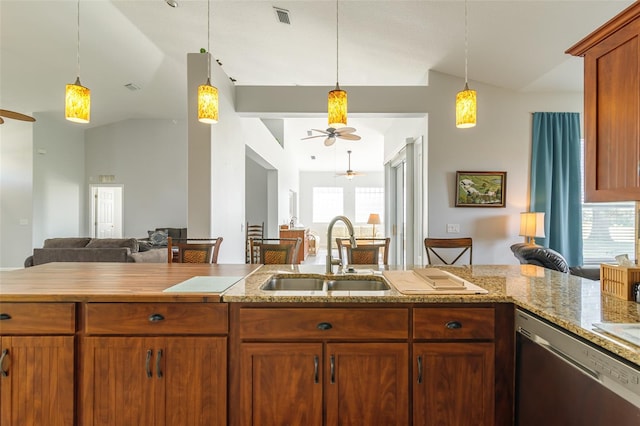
[111, 282]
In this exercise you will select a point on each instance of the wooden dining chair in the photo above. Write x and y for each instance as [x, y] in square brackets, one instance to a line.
[450, 246]
[271, 251]
[190, 252]
[367, 252]
[252, 231]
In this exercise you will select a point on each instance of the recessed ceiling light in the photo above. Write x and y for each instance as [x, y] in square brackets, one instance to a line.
[171, 3]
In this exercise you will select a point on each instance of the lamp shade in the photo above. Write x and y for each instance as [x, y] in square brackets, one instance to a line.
[207, 103]
[77, 103]
[337, 108]
[466, 108]
[374, 219]
[532, 225]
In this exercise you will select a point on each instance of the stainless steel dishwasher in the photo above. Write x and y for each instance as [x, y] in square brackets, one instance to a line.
[563, 380]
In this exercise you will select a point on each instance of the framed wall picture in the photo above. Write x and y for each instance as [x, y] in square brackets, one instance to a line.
[481, 189]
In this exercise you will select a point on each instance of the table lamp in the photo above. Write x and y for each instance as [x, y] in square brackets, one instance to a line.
[374, 219]
[531, 226]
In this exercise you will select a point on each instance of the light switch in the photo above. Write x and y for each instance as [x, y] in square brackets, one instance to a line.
[453, 228]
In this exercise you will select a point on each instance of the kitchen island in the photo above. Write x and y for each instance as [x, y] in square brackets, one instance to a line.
[113, 327]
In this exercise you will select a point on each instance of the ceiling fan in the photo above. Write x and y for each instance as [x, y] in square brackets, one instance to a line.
[350, 174]
[331, 134]
[14, 115]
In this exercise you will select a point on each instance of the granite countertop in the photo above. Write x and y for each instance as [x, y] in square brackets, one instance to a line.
[571, 302]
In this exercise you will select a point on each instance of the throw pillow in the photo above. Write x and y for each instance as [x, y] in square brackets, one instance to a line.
[158, 238]
[144, 245]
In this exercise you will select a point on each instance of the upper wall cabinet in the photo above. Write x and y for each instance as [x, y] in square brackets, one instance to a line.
[612, 108]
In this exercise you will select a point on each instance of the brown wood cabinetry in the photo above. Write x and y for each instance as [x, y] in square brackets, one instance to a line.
[304, 245]
[454, 366]
[291, 372]
[37, 364]
[612, 108]
[135, 377]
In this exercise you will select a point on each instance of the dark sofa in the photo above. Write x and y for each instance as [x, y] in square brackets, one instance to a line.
[532, 254]
[85, 249]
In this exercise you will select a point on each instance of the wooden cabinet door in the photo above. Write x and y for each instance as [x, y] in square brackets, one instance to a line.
[367, 383]
[37, 382]
[121, 381]
[453, 384]
[612, 116]
[195, 375]
[281, 384]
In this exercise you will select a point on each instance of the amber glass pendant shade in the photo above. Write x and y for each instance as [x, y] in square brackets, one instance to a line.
[207, 103]
[466, 108]
[337, 108]
[77, 103]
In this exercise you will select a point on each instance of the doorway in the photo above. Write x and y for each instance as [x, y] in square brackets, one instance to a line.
[106, 211]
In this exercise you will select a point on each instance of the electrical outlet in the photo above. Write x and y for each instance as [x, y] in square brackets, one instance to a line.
[453, 228]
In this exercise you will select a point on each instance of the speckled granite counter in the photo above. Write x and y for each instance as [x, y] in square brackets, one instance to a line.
[571, 302]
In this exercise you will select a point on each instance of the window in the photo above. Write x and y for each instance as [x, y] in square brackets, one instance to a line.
[608, 229]
[369, 200]
[328, 202]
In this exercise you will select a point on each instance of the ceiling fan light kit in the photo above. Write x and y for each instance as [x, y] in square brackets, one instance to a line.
[208, 94]
[77, 98]
[466, 103]
[337, 100]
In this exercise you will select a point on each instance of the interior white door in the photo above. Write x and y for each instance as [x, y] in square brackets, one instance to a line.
[107, 211]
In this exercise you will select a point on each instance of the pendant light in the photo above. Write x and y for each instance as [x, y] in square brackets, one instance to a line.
[208, 94]
[337, 102]
[77, 99]
[466, 105]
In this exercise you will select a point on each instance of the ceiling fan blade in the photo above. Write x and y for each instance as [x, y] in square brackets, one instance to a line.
[16, 115]
[324, 132]
[350, 137]
[1, 120]
[311, 137]
[345, 130]
[329, 141]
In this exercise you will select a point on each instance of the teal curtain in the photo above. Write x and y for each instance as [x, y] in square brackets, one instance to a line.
[555, 181]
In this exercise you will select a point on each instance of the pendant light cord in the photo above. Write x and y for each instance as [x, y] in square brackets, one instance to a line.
[337, 44]
[466, 45]
[208, 40]
[78, 49]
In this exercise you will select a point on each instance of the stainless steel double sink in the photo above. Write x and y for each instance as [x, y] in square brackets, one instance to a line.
[284, 283]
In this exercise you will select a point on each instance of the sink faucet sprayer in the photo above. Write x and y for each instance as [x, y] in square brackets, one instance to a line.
[330, 260]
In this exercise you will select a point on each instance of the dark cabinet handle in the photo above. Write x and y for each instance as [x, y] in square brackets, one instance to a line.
[324, 326]
[147, 364]
[3, 372]
[453, 325]
[333, 369]
[316, 366]
[4, 316]
[156, 317]
[158, 360]
[419, 369]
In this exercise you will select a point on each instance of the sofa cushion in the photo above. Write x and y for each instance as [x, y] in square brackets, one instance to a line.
[158, 238]
[130, 243]
[72, 242]
[113, 254]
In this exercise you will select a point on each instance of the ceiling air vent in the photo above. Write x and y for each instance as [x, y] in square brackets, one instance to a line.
[282, 15]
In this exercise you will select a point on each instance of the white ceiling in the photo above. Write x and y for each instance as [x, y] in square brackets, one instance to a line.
[516, 44]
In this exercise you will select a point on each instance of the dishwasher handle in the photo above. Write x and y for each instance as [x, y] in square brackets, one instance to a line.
[559, 353]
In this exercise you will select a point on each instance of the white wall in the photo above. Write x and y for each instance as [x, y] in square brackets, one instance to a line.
[255, 193]
[58, 179]
[16, 199]
[149, 158]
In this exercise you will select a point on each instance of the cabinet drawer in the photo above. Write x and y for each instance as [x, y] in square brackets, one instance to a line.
[453, 323]
[156, 318]
[323, 323]
[37, 318]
